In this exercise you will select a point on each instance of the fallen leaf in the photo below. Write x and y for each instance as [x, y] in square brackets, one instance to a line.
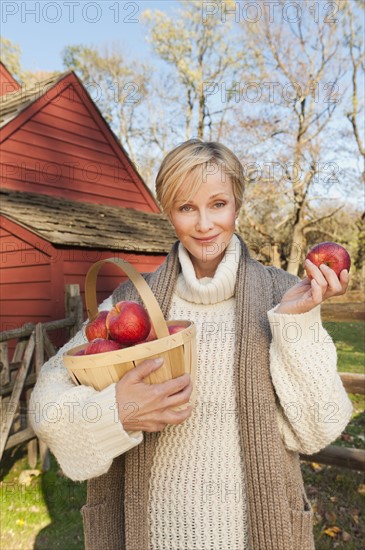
[330, 517]
[316, 467]
[312, 490]
[334, 499]
[346, 437]
[346, 536]
[317, 518]
[355, 517]
[332, 531]
[361, 489]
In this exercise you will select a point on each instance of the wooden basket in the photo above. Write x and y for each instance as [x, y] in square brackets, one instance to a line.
[102, 369]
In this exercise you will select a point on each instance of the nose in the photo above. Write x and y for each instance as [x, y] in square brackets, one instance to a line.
[204, 222]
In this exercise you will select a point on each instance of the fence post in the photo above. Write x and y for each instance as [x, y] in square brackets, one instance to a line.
[73, 307]
[7, 421]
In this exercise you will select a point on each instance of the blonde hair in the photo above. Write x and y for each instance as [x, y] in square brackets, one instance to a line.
[195, 159]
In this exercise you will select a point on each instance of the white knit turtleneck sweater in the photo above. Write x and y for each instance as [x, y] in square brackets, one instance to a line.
[197, 494]
[197, 489]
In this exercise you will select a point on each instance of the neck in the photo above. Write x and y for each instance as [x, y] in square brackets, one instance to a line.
[204, 269]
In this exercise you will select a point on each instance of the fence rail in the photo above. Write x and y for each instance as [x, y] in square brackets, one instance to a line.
[345, 457]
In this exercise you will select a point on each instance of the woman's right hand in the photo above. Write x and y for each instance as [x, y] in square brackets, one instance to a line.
[148, 407]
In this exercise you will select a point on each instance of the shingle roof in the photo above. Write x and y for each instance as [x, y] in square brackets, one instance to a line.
[12, 104]
[85, 225]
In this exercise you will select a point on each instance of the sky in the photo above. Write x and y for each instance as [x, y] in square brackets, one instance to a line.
[43, 28]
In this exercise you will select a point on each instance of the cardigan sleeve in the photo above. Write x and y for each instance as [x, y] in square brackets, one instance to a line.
[79, 424]
[313, 406]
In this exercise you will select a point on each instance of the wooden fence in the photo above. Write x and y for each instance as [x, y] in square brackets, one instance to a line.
[344, 457]
[18, 377]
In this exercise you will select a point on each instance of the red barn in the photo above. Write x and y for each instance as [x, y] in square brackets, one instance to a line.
[8, 84]
[70, 196]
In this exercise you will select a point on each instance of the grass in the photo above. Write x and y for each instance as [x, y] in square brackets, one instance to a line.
[337, 495]
[337, 499]
[45, 515]
[350, 340]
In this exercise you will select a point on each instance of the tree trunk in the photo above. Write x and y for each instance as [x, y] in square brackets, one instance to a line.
[276, 262]
[189, 115]
[296, 249]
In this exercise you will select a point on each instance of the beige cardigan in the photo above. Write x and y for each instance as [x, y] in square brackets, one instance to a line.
[280, 518]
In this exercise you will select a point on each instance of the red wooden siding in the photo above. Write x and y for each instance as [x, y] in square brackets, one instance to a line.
[34, 275]
[25, 285]
[61, 146]
[8, 84]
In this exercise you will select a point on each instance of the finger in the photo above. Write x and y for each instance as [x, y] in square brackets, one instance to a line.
[331, 278]
[145, 368]
[175, 385]
[177, 417]
[315, 273]
[344, 279]
[317, 296]
[180, 398]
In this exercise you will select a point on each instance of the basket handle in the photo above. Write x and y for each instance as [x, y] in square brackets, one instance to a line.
[149, 300]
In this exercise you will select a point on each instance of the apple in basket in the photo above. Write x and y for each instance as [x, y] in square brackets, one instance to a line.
[332, 254]
[97, 327]
[128, 323]
[151, 335]
[101, 345]
[172, 330]
[175, 328]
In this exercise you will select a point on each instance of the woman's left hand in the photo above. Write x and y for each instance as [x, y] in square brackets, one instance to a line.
[309, 293]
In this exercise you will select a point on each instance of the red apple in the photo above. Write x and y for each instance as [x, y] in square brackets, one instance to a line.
[332, 254]
[128, 323]
[152, 335]
[97, 327]
[175, 328]
[101, 345]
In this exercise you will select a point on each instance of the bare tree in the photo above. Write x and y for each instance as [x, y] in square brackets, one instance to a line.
[302, 70]
[354, 39]
[203, 60]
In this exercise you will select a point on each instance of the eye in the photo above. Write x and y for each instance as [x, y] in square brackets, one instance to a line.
[185, 208]
[220, 204]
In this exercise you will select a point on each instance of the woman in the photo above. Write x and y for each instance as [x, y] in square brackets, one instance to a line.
[224, 473]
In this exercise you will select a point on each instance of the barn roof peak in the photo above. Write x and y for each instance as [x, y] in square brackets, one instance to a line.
[14, 103]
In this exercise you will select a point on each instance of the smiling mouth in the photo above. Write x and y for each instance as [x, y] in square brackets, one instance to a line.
[206, 239]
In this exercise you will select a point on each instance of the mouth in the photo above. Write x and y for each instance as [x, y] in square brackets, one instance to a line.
[206, 239]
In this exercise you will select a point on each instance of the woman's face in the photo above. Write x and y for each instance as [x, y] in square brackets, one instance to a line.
[206, 223]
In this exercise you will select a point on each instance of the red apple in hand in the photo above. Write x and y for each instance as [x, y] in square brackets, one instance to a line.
[97, 327]
[332, 254]
[128, 323]
[100, 345]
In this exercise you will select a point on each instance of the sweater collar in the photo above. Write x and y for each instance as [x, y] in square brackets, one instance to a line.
[209, 290]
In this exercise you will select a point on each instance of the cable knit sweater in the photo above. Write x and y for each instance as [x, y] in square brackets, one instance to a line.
[197, 466]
